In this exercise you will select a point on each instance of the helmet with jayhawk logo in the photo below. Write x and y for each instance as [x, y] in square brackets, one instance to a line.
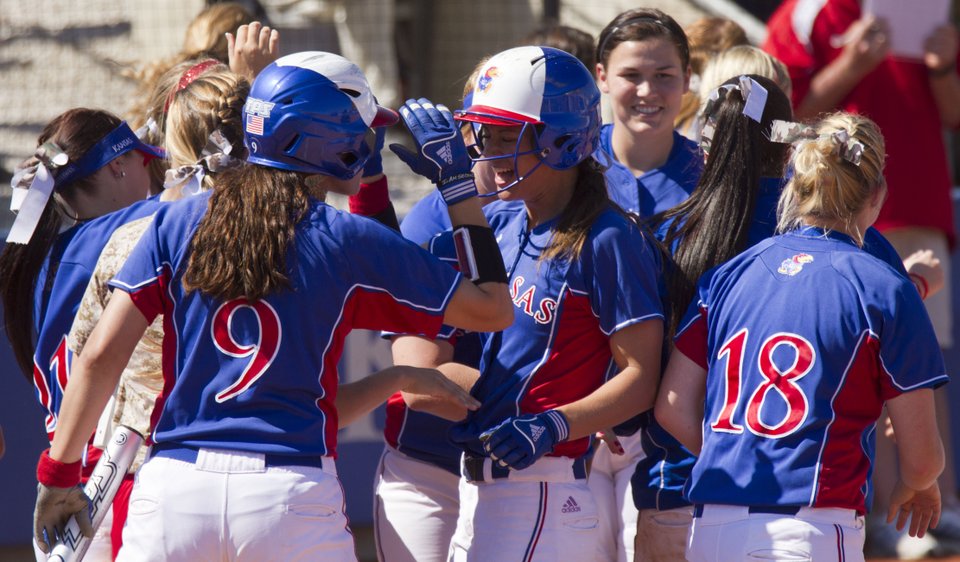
[311, 112]
[547, 89]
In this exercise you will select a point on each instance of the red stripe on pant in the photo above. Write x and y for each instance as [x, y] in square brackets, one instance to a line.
[120, 504]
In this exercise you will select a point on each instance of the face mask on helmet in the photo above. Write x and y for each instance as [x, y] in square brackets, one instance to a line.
[549, 94]
[312, 112]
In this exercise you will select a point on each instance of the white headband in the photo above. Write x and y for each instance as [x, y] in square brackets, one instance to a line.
[216, 157]
[32, 186]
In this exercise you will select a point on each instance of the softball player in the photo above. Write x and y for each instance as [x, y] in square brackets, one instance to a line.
[245, 436]
[544, 381]
[785, 435]
[643, 65]
[88, 164]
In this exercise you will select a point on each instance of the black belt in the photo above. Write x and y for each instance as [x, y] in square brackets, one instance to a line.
[189, 454]
[768, 509]
[473, 468]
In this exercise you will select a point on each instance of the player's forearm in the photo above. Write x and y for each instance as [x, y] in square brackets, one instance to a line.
[829, 87]
[946, 93]
[919, 448]
[679, 404]
[359, 398]
[463, 376]
[626, 394]
[95, 375]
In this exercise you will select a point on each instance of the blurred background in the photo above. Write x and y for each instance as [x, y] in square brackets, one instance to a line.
[57, 54]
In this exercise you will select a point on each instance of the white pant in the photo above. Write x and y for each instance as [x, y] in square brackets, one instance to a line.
[415, 509]
[727, 532]
[520, 519]
[230, 506]
[609, 481]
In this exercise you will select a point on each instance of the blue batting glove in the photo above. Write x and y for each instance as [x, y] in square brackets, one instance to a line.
[441, 155]
[519, 442]
[374, 165]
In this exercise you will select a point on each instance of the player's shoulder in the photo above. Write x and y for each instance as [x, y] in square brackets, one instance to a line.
[425, 219]
[615, 232]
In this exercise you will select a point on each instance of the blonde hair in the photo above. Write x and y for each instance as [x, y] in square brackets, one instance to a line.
[708, 37]
[204, 38]
[743, 59]
[214, 100]
[826, 189]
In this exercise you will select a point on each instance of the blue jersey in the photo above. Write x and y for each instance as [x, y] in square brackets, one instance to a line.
[262, 376]
[794, 387]
[60, 285]
[656, 190]
[418, 434]
[557, 350]
[659, 477]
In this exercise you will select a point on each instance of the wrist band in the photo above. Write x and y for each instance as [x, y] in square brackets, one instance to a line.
[479, 254]
[56, 474]
[561, 427]
[371, 199]
[938, 72]
[457, 188]
[922, 287]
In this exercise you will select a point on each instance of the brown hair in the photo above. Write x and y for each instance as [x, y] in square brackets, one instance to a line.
[826, 188]
[574, 224]
[75, 132]
[708, 37]
[577, 42]
[240, 247]
[639, 25]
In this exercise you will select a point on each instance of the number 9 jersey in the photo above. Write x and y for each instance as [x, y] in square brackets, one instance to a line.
[804, 336]
[262, 376]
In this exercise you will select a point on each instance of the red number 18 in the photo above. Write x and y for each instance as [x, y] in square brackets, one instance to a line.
[783, 382]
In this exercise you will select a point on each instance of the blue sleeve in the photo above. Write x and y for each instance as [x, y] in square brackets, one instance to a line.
[618, 253]
[879, 247]
[427, 218]
[403, 287]
[909, 352]
[144, 274]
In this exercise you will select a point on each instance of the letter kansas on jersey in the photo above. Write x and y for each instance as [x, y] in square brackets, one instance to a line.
[262, 376]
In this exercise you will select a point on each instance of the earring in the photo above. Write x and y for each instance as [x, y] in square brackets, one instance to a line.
[122, 174]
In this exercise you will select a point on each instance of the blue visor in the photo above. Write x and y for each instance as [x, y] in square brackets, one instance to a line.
[120, 141]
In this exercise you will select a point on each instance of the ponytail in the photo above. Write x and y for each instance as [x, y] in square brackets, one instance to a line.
[240, 247]
[588, 201]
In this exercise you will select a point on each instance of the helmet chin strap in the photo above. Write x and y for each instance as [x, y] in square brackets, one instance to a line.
[517, 153]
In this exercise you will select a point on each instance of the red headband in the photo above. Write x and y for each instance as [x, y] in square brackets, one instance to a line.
[188, 77]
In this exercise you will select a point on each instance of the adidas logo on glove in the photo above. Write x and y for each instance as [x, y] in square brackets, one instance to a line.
[536, 431]
[446, 153]
[570, 506]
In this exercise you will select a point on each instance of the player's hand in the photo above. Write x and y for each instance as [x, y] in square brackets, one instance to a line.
[53, 510]
[374, 166]
[610, 439]
[866, 43]
[920, 507]
[441, 155]
[431, 382]
[925, 265]
[940, 48]
[252, 49]
[519, 442]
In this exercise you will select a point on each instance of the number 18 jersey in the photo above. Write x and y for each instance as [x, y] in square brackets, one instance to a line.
[804, 336]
